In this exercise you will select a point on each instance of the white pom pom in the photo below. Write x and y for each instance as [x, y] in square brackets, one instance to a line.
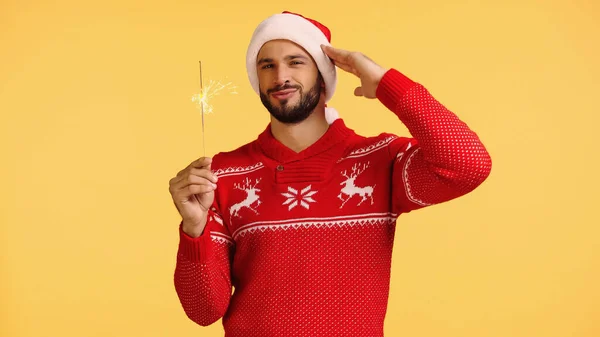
[331, 115]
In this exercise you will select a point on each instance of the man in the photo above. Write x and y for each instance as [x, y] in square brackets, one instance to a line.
[302, 221]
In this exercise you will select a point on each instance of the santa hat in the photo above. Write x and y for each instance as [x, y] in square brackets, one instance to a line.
[307, 33]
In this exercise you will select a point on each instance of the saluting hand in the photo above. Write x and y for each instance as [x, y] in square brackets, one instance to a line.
[369, 72]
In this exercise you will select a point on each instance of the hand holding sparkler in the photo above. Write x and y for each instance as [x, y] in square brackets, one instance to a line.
[193, 192]
[192, 189]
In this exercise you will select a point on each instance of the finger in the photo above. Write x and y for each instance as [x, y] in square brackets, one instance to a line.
[186, 173]
[358, 91]
[202, 162]
[346, 67]
[336, 54]
[195, 176]
[205, 173]
[185, 185]
[189, 190]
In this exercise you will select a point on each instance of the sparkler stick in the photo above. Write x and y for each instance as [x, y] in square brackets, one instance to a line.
[202, 110]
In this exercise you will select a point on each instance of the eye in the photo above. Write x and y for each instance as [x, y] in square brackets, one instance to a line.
[266, 66]
[296, 62]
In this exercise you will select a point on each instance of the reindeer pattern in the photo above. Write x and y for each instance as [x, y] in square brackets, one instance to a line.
[251, 197]
[353, 186]
[350, 189]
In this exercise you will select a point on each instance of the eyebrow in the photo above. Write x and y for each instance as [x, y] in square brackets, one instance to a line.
[287, 58]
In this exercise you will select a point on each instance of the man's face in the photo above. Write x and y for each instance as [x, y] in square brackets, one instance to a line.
[290, 82]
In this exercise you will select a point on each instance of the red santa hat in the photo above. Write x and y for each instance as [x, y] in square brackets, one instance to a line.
[307, 33]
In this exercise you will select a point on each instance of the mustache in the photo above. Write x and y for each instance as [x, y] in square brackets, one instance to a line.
[283, 87]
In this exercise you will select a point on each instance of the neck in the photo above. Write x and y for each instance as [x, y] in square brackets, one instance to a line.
[298, 137]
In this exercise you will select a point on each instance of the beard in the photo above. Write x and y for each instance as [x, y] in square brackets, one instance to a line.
[292, 114]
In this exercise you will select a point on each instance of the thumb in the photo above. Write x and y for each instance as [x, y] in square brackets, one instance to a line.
[358, 91]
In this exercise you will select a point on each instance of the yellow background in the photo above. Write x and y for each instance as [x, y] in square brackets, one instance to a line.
[97, 117]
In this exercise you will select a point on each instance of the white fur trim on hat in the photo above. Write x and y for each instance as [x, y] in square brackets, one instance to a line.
[331, 115]
[296, 29]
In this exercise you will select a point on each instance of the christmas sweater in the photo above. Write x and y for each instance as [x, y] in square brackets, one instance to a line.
[300, 244]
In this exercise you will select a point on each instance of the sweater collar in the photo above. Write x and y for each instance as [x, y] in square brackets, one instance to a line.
[272, 148]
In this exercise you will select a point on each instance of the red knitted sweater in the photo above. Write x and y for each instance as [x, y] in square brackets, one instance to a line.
[305, 239]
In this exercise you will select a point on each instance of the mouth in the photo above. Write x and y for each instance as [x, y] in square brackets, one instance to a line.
[284, 94]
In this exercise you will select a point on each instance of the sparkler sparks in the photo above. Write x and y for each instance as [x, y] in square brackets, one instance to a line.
[212, 89]
[206, 94]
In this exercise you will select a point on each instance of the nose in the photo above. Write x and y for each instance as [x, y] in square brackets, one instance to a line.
[282, 76]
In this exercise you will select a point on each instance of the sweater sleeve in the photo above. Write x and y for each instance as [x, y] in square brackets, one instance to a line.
[203, 271]
[443, 161]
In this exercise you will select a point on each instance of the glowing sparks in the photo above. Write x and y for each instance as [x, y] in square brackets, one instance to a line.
[204, 98]
[208, 92]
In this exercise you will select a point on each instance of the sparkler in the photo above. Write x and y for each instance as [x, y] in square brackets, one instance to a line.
[202, 99]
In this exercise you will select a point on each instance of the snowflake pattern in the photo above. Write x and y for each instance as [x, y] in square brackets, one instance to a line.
[295, 197]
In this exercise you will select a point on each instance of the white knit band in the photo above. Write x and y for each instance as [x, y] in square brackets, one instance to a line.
[296, 29]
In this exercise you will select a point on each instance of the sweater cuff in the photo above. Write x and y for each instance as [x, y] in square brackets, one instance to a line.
[392, 87]
[197, 249]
